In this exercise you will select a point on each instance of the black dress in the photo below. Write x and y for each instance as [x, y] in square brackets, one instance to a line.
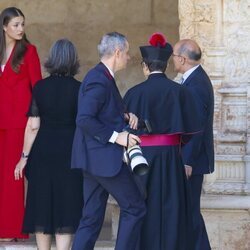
[169, 109]
[54, 198]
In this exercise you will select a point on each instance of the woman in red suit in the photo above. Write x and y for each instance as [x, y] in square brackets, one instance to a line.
[20, 70]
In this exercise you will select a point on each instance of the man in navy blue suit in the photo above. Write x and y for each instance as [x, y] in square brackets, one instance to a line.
[198, 154]
[98, 149]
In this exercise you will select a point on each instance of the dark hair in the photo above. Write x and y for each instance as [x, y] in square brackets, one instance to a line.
[192, 54]
[110, 42]
[21, 45]
[63, 59]
[156, 65]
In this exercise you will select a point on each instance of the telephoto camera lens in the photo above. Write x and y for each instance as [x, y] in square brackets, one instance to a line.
[138, 163]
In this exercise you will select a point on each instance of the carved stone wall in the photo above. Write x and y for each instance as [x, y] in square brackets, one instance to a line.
[222, 29]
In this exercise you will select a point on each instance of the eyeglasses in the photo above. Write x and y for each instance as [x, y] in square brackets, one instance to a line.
[179, 56]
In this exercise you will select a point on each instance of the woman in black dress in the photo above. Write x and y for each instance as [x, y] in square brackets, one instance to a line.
[54, 198]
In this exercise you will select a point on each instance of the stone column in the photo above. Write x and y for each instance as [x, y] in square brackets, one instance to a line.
[221, 27]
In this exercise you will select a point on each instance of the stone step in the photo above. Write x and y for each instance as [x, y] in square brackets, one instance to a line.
[103, 243]
[100, 245]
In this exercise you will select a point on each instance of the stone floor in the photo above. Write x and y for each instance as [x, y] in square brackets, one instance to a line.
[100, 245]
[103, 242]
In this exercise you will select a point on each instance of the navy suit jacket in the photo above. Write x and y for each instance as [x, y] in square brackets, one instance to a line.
[100, 113]
[199, 151]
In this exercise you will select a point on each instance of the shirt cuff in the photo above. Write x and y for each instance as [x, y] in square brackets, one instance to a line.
[113, 138]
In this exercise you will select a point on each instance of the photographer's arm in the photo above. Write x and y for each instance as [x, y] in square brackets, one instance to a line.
[122, 139]
[90, 102]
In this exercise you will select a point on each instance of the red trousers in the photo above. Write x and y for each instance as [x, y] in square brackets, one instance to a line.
[11, 191]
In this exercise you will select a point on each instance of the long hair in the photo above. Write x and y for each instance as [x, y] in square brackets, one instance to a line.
[20, 46]
[63, 59]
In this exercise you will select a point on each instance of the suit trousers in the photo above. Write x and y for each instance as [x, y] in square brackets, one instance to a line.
[200, 233]
[132, 210]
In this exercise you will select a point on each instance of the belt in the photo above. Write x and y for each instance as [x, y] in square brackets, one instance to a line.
[160, 140]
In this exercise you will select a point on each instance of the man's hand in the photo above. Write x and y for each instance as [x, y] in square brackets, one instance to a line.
[188, 170]
[122, 139]
[132, 120]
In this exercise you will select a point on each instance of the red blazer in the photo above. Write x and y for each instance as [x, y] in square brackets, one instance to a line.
[16, 89]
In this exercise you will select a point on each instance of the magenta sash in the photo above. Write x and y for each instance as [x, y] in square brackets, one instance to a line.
[160, 140]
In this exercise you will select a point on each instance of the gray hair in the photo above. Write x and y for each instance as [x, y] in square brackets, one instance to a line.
[110, 42]
[63, 59]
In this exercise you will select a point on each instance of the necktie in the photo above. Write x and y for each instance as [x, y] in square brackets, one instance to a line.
[182, 80]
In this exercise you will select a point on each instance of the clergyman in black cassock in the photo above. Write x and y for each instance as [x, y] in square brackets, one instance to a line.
[169, 109]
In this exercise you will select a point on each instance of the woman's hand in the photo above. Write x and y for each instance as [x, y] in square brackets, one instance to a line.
[18, 172]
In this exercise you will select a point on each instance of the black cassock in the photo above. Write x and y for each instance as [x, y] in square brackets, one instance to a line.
[169, 109]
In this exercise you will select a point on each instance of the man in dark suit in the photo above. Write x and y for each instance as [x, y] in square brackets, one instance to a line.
[198, 154]
[98, 149]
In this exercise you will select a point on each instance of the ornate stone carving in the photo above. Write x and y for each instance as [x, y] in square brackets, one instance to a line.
[186, 14]
[204, 12]
[236, 11]
[221, 27]
[236, 66]
[237, 35]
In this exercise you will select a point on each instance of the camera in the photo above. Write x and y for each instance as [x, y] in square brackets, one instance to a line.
[145, 126]
[136, 160]
[133, 156]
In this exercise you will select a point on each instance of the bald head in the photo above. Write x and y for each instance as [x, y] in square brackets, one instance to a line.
[190, 49]
[188, 55]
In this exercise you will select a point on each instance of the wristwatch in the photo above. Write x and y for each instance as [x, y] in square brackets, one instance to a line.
[24, 155]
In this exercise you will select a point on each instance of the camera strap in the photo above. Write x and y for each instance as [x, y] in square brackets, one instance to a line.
[128, 139]
[126, 151]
